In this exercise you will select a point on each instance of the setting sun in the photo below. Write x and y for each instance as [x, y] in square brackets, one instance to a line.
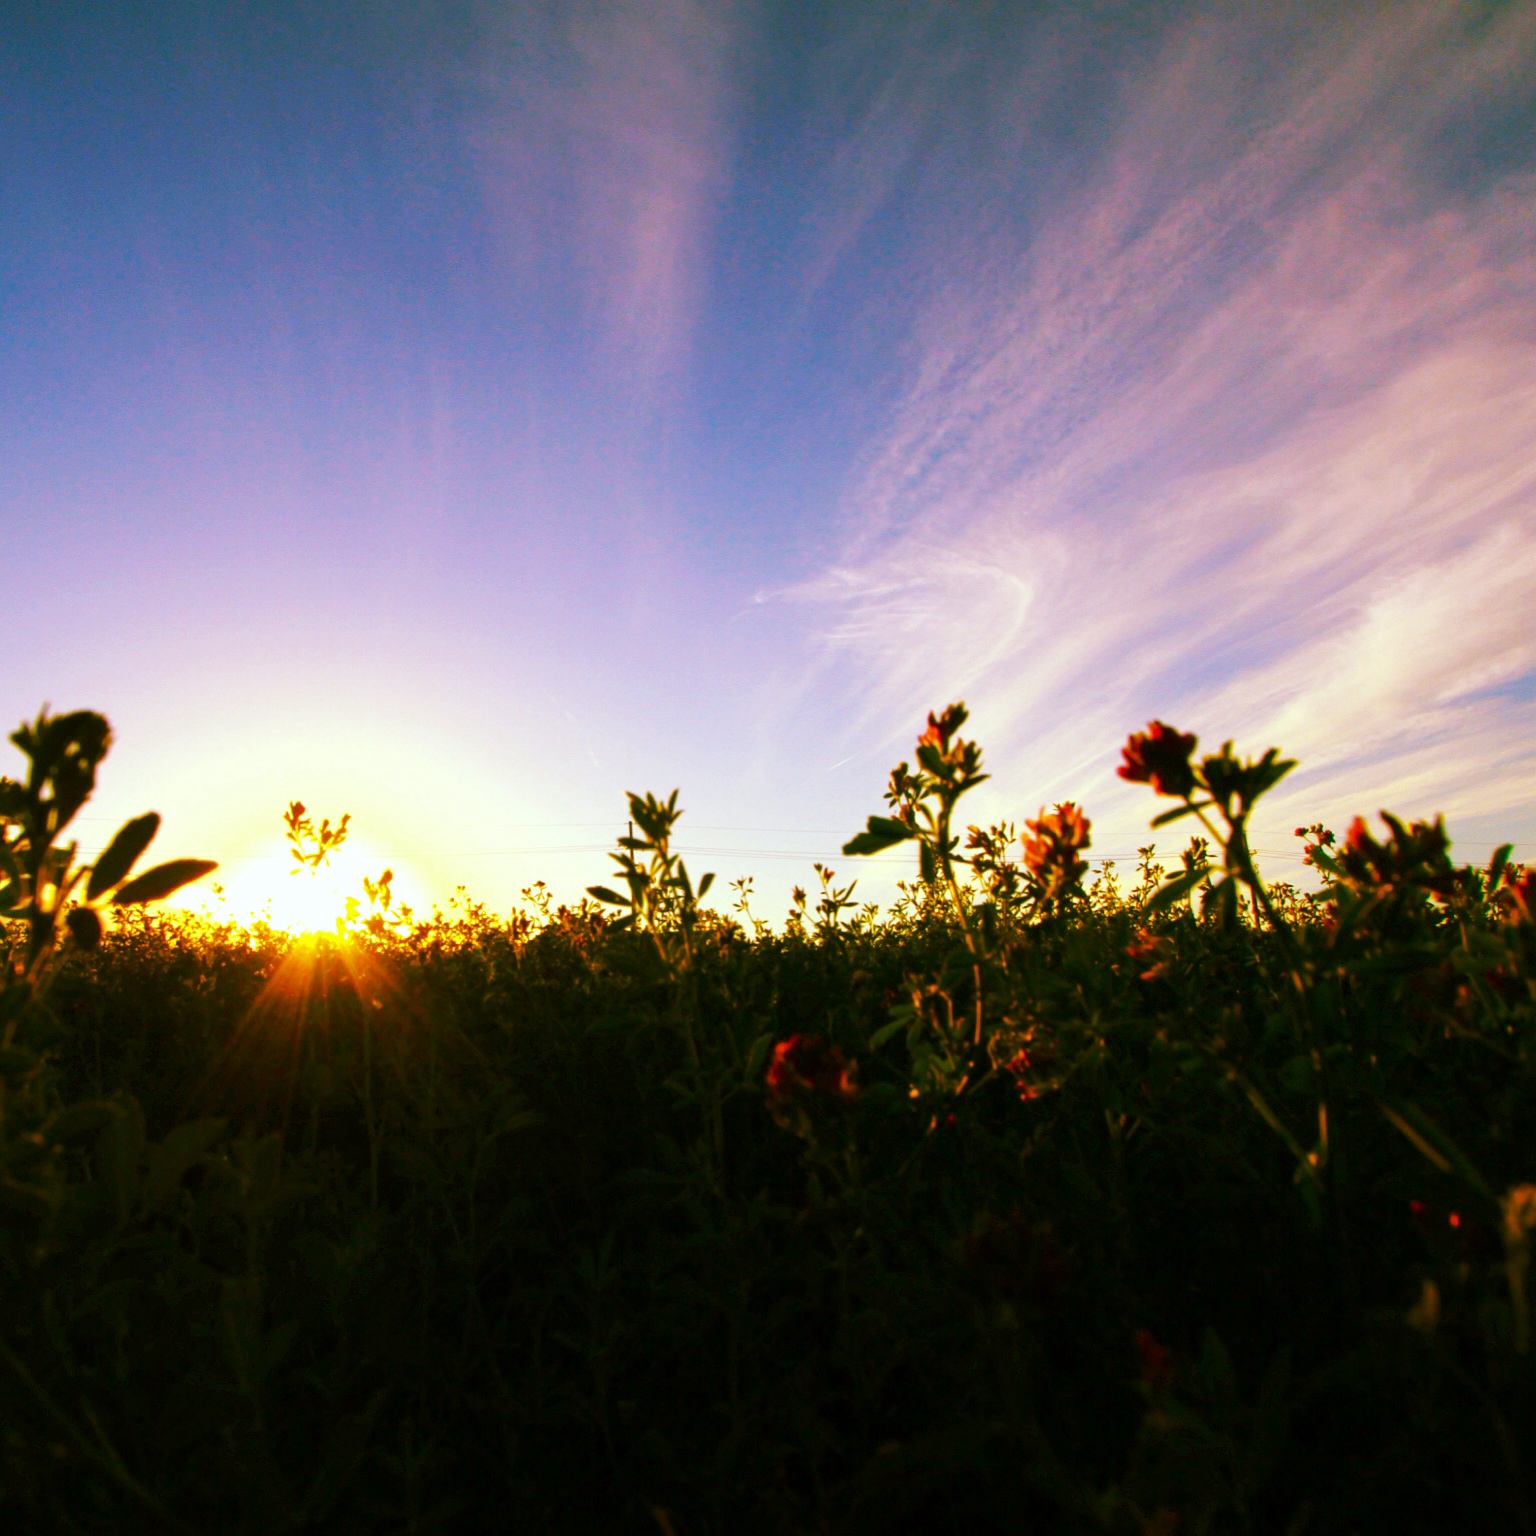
[268, 884]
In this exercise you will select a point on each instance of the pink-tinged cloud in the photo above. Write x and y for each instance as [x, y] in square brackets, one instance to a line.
[1240, 435]
[604, 146]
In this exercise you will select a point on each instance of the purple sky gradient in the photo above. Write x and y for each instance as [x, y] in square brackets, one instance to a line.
[461, 414]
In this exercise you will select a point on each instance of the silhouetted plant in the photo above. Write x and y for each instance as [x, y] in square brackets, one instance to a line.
[39, 876]
[311, 846]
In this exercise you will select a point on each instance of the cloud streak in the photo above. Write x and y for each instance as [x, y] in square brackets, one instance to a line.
[604, 147]
[1237, 432]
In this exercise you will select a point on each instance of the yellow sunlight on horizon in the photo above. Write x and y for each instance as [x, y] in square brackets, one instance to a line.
[265, 883]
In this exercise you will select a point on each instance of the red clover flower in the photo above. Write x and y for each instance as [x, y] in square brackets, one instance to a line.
[1159, 756]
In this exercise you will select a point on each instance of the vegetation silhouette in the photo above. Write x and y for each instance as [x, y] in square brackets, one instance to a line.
[1190, 1204]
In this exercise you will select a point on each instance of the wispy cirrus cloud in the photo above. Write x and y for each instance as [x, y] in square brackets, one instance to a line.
[1236, 431]
[604, 146]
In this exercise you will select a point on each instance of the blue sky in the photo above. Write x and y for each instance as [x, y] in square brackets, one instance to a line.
[461, 414]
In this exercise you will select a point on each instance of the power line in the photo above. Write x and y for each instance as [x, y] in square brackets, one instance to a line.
[890, 855]
[823, 853]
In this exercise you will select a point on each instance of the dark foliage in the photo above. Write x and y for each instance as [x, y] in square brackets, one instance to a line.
[1201, 1208]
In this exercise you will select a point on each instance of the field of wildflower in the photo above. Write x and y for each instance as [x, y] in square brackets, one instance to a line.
[1183, 1205]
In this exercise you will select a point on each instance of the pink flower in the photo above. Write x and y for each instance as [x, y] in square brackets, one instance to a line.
[1159, 756]
[1056, 838]
[1414, 855]
[1052, 844]
[1517, 897]
[805, 1066]
[942, 727]
[1152, 950]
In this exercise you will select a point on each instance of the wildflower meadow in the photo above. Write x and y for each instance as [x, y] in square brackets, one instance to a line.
[1186, 1204]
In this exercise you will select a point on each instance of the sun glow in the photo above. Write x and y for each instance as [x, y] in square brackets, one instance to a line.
[266, 884]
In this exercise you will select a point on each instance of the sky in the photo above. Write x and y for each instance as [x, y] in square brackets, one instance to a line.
[459, 415]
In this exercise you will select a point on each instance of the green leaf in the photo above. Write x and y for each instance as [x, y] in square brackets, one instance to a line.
[705, 883]
[65, 751]
[1180, 811]
[75, 1122]
[1221, 899]
[169, 1162]
[121, 854]
[889, 1031]
[604, 893]
[119, 1150]
[1437, 1146]
[1323, 860]
[882, 832]
[157, 883]
[929, 757]
[652, 817]
[13, 799]
[1298, 1074]
[1175, 890]
[1266, 774]
[757, 1054]
[1311, 1197]
[1497, 864]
